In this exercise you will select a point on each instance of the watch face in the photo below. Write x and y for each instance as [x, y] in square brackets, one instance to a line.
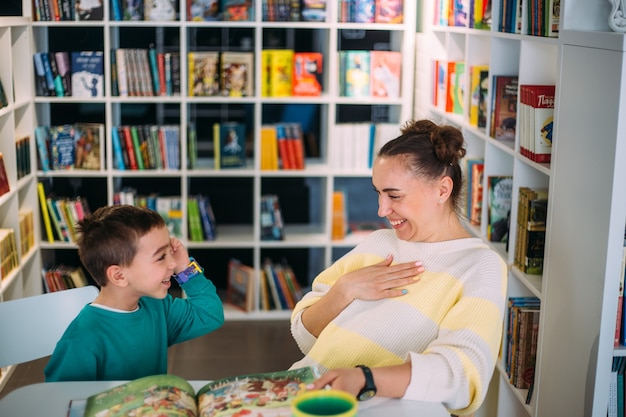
[366, 394]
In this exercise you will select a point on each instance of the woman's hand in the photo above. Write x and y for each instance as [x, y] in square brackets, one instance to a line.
[350, 380]
[378, 281]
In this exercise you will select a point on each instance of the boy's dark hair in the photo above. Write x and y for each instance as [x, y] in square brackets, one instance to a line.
[109, 236]
[430, 151]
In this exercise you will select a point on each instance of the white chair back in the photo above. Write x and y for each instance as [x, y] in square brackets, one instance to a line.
[30, 327]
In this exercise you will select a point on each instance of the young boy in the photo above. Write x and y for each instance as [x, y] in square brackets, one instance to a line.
[125, 333]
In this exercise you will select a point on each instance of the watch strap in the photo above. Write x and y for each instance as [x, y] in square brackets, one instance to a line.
[369, 389]
[193, 269]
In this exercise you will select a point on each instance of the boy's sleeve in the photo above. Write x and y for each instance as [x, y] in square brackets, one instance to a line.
[71, 362]
[200, 313]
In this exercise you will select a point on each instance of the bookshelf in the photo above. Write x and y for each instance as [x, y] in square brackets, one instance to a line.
[586, 203]
[305, 195]
[16, 120]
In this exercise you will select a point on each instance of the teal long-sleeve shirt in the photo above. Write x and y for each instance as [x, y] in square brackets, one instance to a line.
[105, 345]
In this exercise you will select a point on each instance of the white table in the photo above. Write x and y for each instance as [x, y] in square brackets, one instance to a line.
[52, 400]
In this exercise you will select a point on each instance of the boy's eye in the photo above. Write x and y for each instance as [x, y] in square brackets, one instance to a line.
[162, 257]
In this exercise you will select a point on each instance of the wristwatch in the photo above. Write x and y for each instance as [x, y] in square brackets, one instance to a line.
[369, 390]
[191, 271]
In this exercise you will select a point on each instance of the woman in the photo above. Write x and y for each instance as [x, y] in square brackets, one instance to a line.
[421, 304]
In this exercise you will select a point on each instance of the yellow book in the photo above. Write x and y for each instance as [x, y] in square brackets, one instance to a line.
[280, 72]
[269, 148]
[216, 144]
[44, 212]
[478, 91]
[339, 215]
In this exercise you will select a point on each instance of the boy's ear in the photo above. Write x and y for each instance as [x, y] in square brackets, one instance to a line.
[115, 276]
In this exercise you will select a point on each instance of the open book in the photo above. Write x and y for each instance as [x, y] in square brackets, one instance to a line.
[266, 394]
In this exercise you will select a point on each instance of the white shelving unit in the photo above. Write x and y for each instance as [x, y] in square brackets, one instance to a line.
[16, 122]
[587, 198]
[308, 240]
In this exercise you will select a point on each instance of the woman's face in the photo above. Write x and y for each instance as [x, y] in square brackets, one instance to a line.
[411, 205]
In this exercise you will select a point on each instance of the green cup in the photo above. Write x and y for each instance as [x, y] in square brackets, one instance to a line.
[326, 403]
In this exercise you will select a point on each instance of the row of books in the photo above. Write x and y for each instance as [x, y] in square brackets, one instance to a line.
[282, 147]
[144, 72]
[371, 11]
[141, 147]
[536, 121]
[201, 219]
[448, 85]
[542, 17]
[226, 73]
[531, 230]
[63, 10]
[169, 207]
[464, 13]
[285, 73]
[370, 73]
[63, 277]
[27, 230]
[61, 214]
[279, 287]
[341, 224]
[75, 73]
[479, 88]
[293, 10]
[521, 341]
[355, 145]
[70, 146]
[22, 153]
[9, 257]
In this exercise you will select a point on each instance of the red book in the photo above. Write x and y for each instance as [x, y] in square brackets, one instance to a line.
[283, 147]
[4, 179]
[130, 148]
[307, 74]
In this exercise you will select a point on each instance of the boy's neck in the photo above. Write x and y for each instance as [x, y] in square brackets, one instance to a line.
[113, 299]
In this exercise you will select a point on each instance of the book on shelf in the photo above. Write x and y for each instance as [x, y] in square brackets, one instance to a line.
[536, 122]
[63, 277]
[170, 208]
[203, 10]
[22, 153]
[386, 72]
[455, 87]
[278, 296]
[307, 73]
[269, 148]
[440, 77]
[354, 73]
[280, 67]
[4, 100]
[88, 10]
[204, 74]
[9, 257]
[194, 222]
[517, 341]
[64, 69]
[340, 215]
[504, 107]
[388, 11]
[62, 142]
[88, 140]
[240, 291]
[475, 168]
[499, 189]
[167, 394]
[44, 85]
[27, 230]
[45, 215]
[229, 142]
[479, 86]
[87, 73]
[160, 10]
[59, 89]
[237, 10]
[271, 218]
[207, 217]
[5, 187]
[313, 10]
[531, 228]
[237, 74]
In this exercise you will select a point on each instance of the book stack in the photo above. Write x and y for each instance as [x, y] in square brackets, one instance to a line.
[522, 333]
[62, 277]
[70, 146]
[531, 229]
[61, 215]
[201, 220]
[9, 257]
[536, 120]
[280, 289]
[143, 147]
[370, 73]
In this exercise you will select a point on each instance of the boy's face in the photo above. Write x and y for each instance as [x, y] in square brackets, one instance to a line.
[153, 265]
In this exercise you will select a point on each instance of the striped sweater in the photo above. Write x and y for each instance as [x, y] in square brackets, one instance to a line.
[448, 325]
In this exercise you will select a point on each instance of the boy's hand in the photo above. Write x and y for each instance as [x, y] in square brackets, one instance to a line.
[180, 254]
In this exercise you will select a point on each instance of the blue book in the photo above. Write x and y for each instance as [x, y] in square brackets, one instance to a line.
[117, 150]
[45, 59]
[42, 138]
[88, 74]
[62, 147]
